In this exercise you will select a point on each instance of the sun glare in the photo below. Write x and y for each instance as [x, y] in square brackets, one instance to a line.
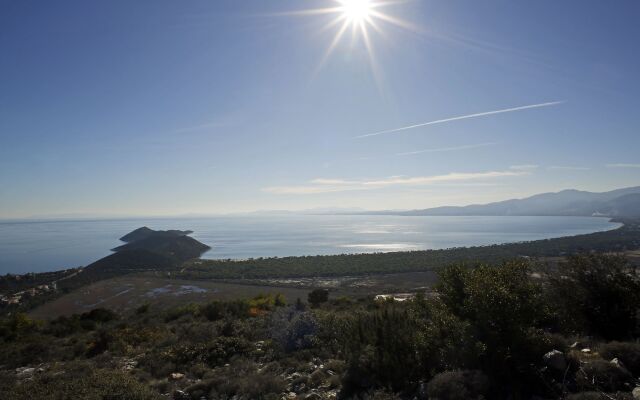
[359, 17]
[356, 11]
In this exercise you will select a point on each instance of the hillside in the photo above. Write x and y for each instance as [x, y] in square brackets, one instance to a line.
[145, 249]
[146, 232]
[617, 203]
[570, 334]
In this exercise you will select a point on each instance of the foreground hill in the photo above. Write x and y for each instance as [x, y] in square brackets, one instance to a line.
[508, 331]
[616, 203]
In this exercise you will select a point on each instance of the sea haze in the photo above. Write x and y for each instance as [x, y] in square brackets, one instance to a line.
[31, 246]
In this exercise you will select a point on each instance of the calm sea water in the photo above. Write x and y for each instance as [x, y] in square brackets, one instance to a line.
[51, 245]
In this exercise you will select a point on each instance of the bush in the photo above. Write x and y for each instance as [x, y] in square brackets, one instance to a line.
[101, 315]
[381, 350]
[143, 309]
[214, 310]
[317, 297]
[82, 382]
[600, 396]
[597, 295]
[627, 352]
[221, 349]
[600, 375]
[293, 330]
[502, 307]
[458, 385]
[178, 312]
[18, 325]
[241, 379]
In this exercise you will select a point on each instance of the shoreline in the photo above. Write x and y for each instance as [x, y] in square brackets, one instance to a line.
[617, 220]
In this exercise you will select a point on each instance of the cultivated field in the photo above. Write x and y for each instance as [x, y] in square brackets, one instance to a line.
[126, 293]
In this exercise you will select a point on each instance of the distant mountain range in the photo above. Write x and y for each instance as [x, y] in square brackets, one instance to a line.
[616, 203]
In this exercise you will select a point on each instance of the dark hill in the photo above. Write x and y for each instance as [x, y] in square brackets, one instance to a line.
[180, 248]
[146, 250]
[145, 232]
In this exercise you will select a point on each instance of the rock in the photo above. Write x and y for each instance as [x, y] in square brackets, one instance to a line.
[313, 396]
[181, 395]
[617, 363]
[332, 394]
[291, 395]
[24, 372]
[636, 393]
[176, 376]
[555, 360]
[586, 351]
[129, 364]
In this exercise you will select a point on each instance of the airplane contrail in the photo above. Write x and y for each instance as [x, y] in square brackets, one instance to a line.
[482, 114]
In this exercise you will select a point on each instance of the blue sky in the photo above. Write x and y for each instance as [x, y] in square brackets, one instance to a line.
[171, 107]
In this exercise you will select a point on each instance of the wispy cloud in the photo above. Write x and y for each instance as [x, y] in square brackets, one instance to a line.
[567, 168]
[221, 123]
[461, 117]
[445, 149]
[324, 181]
[323, 185]
[524, 167]
[623, 165]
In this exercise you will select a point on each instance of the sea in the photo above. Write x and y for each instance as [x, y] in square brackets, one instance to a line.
[48, 245]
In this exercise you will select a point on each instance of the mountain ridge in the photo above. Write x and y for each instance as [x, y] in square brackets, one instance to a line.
[624, 202]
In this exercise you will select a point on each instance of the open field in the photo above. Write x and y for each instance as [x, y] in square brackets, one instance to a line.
[125, 294]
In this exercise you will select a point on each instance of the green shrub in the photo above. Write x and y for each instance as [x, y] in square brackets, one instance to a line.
[82, 382]
[600, 375]
[293, 330]
[317, 297]
[18, 325]
[101, 315]
[600, 396]
[458, 385]
[597, 295]
[143, 309]
[178, 312]
[627, 352]
[502, 306]
[220, 350]
[240, 379]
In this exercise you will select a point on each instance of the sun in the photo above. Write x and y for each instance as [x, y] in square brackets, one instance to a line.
[356, 11]
[362, 18]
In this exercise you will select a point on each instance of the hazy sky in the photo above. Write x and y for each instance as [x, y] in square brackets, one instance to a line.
[172, 107]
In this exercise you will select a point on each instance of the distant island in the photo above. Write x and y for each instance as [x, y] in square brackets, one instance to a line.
[146, 232]
[568, 203]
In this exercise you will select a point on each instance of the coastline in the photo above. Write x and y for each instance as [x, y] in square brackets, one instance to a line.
[62, 245]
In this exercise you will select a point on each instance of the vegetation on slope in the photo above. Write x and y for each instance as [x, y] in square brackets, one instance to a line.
[492, 332]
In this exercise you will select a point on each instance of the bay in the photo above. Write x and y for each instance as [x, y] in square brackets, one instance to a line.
[37, 246]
